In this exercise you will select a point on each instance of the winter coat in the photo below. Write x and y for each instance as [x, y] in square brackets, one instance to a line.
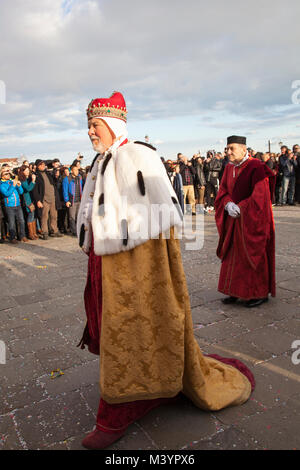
[11, 193]
[27, 188]
[68, 186]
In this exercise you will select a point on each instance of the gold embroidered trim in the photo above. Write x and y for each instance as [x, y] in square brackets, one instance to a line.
[106, 111]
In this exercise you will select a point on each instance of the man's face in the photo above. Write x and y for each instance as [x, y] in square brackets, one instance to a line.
[265, 157]
[283, 150]
[183, 159]
[296, 149]
[56, 164]
[100, 135]
[42, 166]
[75, 170]
[236, 152]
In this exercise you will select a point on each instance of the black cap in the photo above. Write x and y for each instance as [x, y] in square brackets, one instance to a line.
[236, 139]
[38, 162]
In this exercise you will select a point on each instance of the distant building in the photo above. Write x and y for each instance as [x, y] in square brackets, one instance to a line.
[12, 161]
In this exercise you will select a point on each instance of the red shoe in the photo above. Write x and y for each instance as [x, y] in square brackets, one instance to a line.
[97, 440]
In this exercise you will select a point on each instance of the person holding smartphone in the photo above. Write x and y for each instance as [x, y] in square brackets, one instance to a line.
[11, 189]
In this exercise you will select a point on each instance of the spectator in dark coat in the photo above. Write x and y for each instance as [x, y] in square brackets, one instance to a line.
[46, 199]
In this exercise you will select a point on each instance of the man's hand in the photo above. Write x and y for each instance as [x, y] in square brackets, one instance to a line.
[233, 210]
[68, 204]
[33, 178]
[39, 204]
[87, 252]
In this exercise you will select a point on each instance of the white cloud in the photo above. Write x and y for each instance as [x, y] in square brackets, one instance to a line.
[169, 58]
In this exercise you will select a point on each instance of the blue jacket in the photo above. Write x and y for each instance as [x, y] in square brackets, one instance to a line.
[27, 188]
[68, 186]
[11, 193]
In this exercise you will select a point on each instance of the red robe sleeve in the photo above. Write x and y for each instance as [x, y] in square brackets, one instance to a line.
[256, 224]
[222, 199]
[225, 224]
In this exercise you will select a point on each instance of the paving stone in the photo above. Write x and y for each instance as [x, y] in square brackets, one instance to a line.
[204, 316]
[251, 322]
[282, 275]
[276, 429]
[279, 377]
[58, 358]
[91, 395]
[290, 326]
[31, 298]
[220, 331]
[134, 439]
[53, 420]
[227, 439]
[9, 439]
[234, 414]
[269, 339]
[7, 302]
[20, 370]
[57, 446]
[210, 295]
[285, 294]
[165, 425]
[63, 410]
[25, 311]
[292, 284]
[58, 322]
[22, 329]
[72, 333]
[74, 378]
[19, 395]
[36, 343]
[236, 347]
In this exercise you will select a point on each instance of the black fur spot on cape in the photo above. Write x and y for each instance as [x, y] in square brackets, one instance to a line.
[82, 235]
[93, 163]
[101, 205]
[105, 163]
[174, 200]
[141, 183]
[124, 229]
[144, 143]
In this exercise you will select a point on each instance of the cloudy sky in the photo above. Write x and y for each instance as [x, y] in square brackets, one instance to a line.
[192, 72]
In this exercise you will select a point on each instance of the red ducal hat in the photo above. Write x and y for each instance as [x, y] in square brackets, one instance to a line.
[114, 107]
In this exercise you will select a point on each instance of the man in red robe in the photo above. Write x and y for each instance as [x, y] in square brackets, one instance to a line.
[245, 224]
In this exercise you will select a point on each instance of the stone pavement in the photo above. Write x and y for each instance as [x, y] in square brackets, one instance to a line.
[42, 319]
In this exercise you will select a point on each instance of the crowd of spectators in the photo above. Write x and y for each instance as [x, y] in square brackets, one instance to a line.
[196, 181]
[40, 199]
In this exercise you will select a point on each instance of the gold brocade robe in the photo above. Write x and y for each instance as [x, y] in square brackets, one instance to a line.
[147, 346]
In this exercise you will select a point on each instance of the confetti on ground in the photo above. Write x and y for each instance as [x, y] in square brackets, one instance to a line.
[56, 373]
[198, 326]
[41, 267]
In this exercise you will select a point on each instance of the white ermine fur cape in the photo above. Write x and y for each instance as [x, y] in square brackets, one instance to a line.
[127, 200]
